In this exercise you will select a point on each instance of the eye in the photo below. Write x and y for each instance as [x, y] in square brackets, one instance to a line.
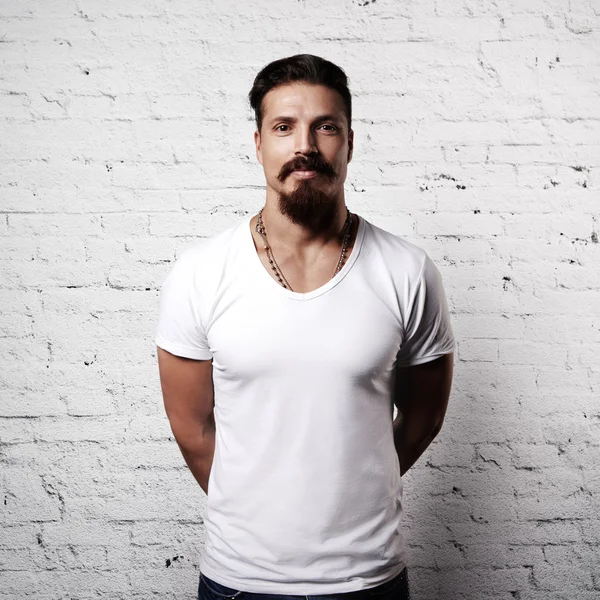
[329, 128]
[279, 127]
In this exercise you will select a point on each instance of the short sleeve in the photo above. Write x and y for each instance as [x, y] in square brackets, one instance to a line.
[428, 331]
[180, 330]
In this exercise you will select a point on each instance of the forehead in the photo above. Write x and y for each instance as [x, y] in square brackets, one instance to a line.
[302, 100]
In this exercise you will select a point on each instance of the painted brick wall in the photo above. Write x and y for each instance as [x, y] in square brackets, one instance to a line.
[125, 136]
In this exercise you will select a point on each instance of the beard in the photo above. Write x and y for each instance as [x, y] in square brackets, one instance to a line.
[309, 207]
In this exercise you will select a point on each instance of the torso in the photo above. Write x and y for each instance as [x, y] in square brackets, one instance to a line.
[305, 479]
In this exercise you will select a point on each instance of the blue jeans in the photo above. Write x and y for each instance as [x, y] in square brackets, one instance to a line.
[395, 589]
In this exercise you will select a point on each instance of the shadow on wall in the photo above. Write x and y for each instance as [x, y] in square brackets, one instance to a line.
[463, 536]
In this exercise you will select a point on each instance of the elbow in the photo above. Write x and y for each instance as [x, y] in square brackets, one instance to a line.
[192, 435]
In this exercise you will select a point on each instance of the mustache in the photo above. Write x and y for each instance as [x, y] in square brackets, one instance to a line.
[314, 162]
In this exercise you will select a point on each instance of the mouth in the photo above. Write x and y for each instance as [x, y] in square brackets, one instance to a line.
[303, 174]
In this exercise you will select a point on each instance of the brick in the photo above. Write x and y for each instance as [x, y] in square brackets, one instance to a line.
[544, 226]
[478, 350]
[31, 405]
[532, 456]
[54, 582]
[28, 498]
[55, 224]
[20, 536]
[460, 224]
[523, 154]
[465, 132]
[471, 29]
[82, 533]
[545, 328]
[481, 326]
[198, 225]
[43, 274]
[542, 354]
[14, 559]
[73, 429]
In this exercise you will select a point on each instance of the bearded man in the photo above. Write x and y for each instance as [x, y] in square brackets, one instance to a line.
[284, 343]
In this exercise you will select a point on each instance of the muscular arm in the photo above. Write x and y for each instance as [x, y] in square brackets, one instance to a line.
[188, 396]
[421, 394]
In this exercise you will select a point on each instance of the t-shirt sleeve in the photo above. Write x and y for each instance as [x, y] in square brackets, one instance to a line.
[180, 330]
[428, 331]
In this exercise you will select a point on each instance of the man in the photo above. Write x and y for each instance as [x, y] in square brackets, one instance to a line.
[283, 345]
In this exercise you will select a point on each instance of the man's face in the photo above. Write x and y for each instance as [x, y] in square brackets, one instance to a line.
[304, 146]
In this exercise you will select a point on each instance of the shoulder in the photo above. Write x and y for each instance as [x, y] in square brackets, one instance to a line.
[209, 254]
[212, 247]
[203, 262]
[398, 254]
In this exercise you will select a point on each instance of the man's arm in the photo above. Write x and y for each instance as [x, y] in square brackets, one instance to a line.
[188, 395]
[421, 394]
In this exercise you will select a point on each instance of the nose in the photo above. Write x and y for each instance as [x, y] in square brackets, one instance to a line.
[305, 141]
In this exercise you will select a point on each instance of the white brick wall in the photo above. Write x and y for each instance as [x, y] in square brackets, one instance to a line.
[125, 135]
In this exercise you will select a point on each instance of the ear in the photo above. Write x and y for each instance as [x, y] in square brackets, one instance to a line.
[350, 144]
[257, 145]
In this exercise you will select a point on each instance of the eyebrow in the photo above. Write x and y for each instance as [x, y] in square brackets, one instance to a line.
[319, 119]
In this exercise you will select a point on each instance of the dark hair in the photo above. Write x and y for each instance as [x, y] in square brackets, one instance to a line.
[300, 67]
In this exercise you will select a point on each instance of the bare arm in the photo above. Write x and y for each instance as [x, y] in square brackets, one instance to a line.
[188, 396]
[421, 394]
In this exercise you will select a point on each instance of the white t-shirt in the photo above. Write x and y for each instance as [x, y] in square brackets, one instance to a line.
[305, 491]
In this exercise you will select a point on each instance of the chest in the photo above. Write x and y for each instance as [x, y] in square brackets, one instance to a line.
[350, 332]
